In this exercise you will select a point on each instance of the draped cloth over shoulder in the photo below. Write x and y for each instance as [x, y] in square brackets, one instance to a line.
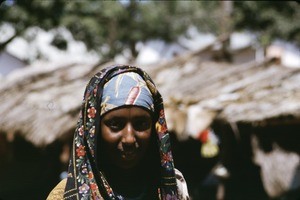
[58, 192]
[85, 180]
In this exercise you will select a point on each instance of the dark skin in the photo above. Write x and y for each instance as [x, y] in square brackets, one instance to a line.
[126, 139]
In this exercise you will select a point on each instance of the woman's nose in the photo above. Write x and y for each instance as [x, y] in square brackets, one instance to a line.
[129, 135]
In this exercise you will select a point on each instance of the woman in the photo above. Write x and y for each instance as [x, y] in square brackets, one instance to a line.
[121, 148]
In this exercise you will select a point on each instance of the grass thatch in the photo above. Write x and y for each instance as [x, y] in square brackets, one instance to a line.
[42, 103]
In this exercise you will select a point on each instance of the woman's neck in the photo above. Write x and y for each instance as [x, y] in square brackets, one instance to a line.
[127, 182]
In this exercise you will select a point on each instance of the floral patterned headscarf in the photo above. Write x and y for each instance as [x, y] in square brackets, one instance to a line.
[85, 180]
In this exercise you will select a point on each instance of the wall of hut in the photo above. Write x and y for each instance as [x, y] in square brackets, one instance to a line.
[262, 160]
[27, 171]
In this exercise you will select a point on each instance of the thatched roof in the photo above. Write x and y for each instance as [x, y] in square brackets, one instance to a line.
[248, 92]
[42, 103]
[258, 93]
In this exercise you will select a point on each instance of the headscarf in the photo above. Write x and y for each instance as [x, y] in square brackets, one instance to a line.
[85, 180]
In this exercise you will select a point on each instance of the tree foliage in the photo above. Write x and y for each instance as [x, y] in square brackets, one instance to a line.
[25, 14]
[109, 27]
[270, 20]
[105, 26]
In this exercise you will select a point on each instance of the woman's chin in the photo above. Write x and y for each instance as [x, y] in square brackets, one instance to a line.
[128, 162]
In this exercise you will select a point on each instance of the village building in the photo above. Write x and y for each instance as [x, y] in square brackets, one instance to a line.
[251, 105]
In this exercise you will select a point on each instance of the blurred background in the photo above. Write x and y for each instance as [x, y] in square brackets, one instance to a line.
[229, 73]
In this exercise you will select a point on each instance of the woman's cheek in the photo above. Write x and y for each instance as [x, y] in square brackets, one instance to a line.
[109, 137]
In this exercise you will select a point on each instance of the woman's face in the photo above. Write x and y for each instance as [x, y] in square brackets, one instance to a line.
[126, 134]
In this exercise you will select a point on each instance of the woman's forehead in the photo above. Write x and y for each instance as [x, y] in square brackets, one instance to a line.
[128, 111]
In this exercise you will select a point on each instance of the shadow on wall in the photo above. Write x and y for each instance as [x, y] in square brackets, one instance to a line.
[29, 172]
[263, 171]
[244, 182]
[195, 168]
[277, 151]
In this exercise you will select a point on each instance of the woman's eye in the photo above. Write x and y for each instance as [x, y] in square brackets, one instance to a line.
[114, 125]
[142, 124]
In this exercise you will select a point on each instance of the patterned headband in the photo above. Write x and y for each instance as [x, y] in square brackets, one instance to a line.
[126, 89]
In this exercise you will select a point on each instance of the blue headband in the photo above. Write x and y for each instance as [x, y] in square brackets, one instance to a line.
[126, 89]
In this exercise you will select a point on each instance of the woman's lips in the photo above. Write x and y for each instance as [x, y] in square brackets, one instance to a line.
[129, 155]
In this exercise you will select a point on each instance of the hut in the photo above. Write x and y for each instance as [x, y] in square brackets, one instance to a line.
[39, 106]
[253, 107]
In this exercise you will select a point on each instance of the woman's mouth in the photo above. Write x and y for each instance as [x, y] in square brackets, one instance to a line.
[129, 155]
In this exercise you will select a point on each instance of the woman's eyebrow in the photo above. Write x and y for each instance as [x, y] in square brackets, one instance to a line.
[144, 117]
[114, 118]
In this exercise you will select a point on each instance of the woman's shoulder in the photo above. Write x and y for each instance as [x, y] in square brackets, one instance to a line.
[58, 191]
[181, 186]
